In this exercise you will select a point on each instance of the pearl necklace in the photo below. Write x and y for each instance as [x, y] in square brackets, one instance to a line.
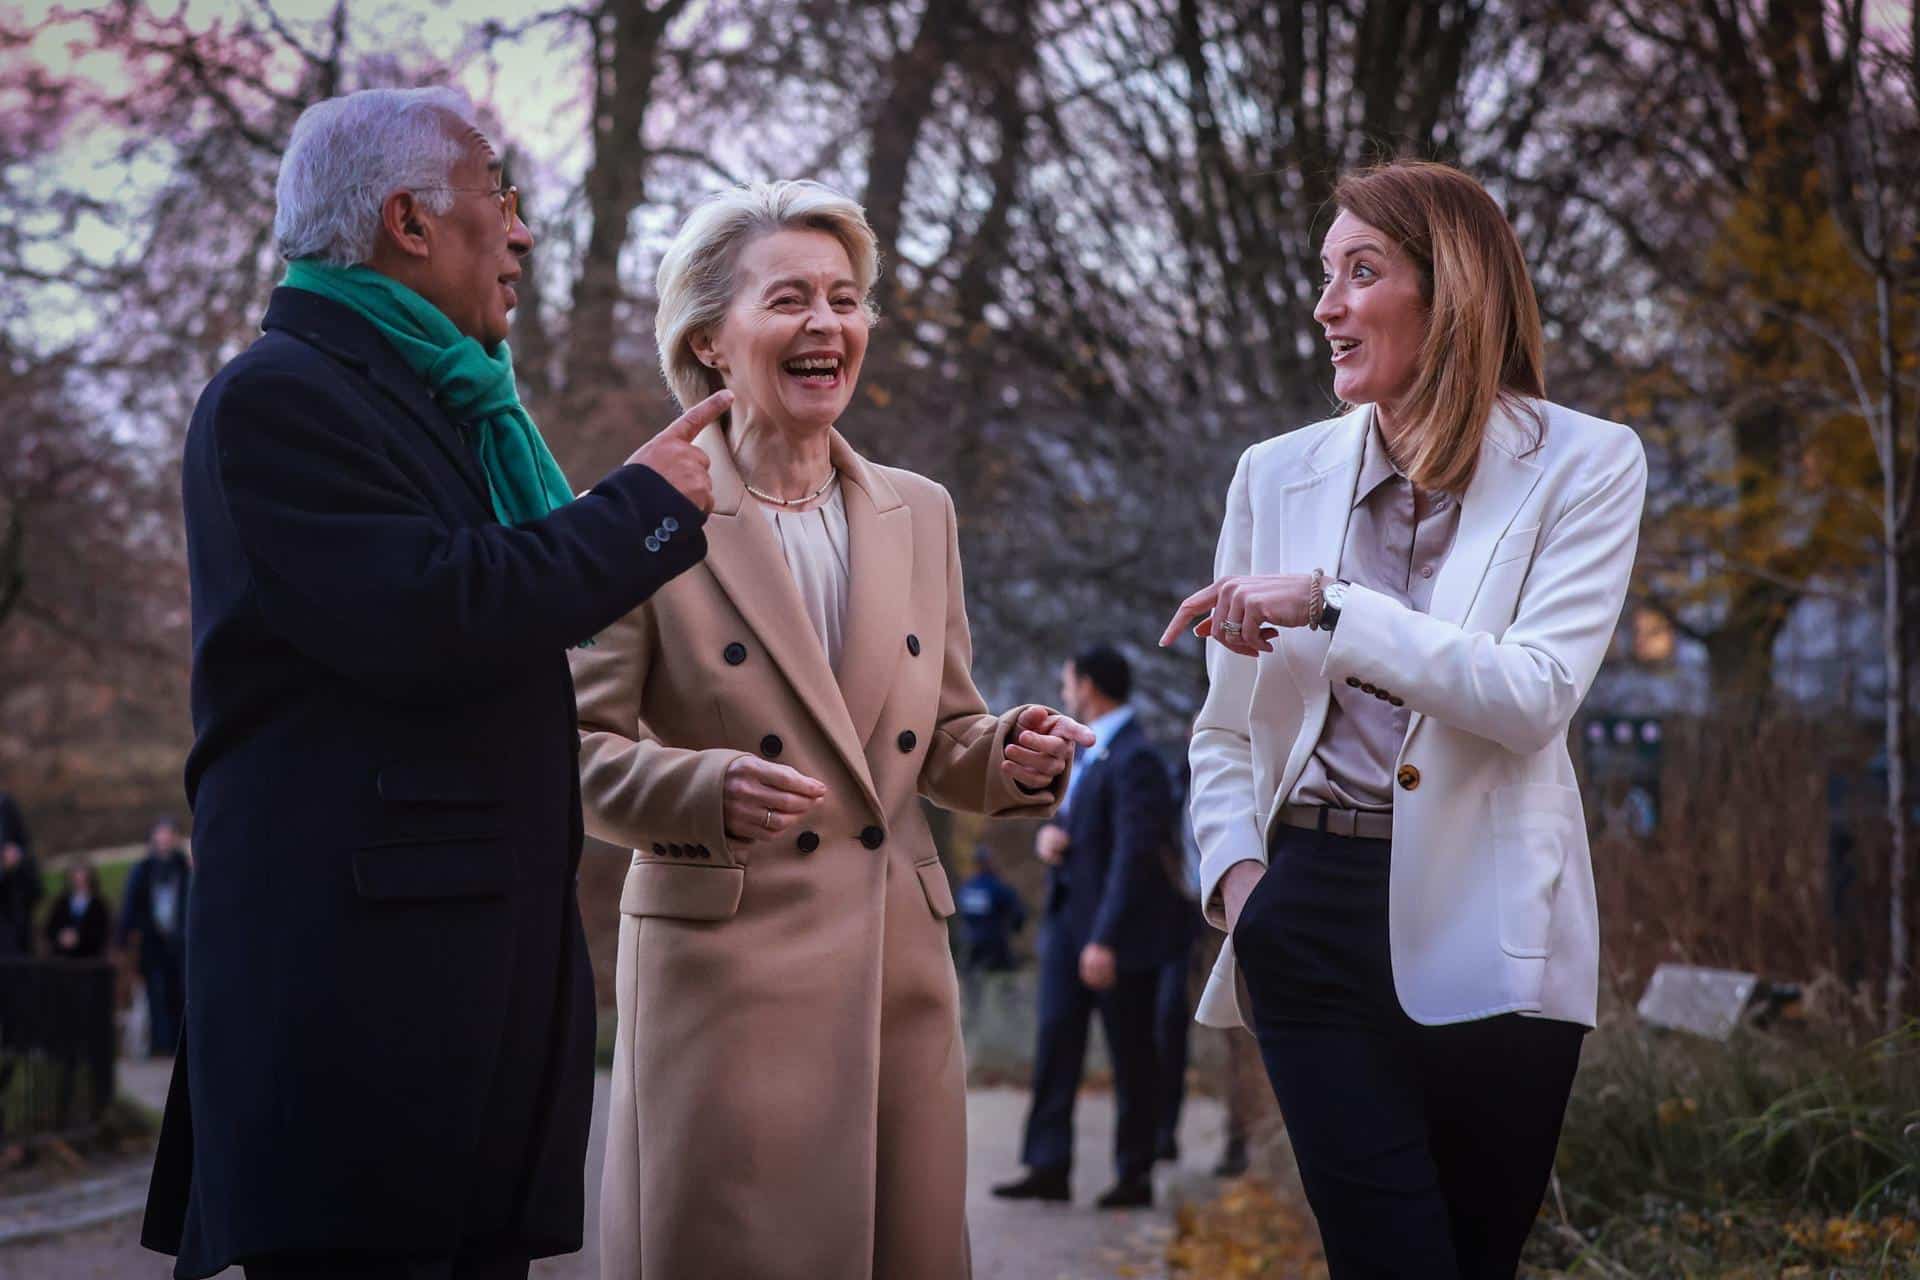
[833, 474]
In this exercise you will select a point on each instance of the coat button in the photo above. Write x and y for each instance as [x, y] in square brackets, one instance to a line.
[1367, 688]
[770, 746]
[1353, 682]
[808, 842]
[913, 645]
[670, 525]
[873, 837]
[907, 741]
[1409, 777]
[659, 851]
[704, 851]
[653, 543]
[735, 654]
[1398, 702]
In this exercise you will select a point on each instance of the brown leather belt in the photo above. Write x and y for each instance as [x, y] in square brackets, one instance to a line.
[1339, 822]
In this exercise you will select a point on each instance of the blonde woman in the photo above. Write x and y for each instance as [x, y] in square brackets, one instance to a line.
[789, 1091]
[1410, 602]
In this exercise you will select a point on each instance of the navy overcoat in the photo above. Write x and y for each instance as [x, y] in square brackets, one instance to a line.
[390, 1018]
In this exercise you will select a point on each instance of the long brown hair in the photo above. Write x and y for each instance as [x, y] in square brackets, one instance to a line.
[1483, 342]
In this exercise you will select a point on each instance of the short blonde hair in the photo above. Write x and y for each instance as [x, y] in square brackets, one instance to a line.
[696, 279]
[1483, 343]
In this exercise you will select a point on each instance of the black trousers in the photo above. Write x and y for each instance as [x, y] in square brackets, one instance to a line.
[1172, 1019]
[1066, 1011]
[1424, 1151]
[327, 1267]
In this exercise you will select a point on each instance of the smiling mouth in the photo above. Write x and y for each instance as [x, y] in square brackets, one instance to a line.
[814, 371]
[1344, 347]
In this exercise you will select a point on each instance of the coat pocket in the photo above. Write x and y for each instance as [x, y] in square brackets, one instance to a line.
[1534, 827]
[684, 892]
[933, 881]
[432, 870]
[1515, 546]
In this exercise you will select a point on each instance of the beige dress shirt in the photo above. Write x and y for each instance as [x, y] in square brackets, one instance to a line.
[1397, 539]
[815, 545]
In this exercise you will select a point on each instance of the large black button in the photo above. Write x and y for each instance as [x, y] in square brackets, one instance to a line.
[913, 645]
[659, 851]
[907, 741]
[808, 842]
[873, 837]
[770, 746]
[735, 654]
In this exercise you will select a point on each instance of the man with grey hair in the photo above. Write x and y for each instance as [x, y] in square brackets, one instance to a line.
[387, 1061]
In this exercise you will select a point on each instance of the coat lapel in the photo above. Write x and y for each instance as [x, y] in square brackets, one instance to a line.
[1313, 522]
[349, 337]
[1502, 481]
[745, 558]
[1313, 527]
[880, 562]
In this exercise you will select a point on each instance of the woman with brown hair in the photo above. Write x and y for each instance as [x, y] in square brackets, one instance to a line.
[1410, 602]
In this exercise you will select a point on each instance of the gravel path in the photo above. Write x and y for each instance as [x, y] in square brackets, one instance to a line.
[1011, 1241]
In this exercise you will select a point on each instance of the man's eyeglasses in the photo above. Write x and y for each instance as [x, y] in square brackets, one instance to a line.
[508, 198]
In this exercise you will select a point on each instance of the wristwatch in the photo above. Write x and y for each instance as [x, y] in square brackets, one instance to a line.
[1335, 595]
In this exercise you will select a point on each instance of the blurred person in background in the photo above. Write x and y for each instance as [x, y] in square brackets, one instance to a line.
[990, 914]
[789, 1093]
[20, 882]
[80, 921]
[1112, 926]
[153, 925]
[1410, 602]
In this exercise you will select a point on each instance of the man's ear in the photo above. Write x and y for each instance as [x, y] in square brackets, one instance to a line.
[405, 224]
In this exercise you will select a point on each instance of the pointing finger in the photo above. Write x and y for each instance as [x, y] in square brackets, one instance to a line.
[1200, 602]
[700, 417]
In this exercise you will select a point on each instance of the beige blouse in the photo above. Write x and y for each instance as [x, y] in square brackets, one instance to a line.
[1397, 539]
[815, 545]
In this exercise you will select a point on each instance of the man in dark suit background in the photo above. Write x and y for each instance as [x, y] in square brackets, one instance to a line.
[1112, 924]
[387, 1061]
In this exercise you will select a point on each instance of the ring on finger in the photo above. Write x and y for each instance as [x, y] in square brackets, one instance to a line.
[1229, 628]
[769, 820]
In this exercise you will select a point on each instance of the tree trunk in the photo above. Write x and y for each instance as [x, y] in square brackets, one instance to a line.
[626, 46]
[1894, 630]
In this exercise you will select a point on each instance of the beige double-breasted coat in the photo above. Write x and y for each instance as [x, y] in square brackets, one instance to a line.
[789, 1085]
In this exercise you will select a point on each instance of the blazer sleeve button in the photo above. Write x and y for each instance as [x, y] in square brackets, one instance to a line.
[913, 645]
[907, 741]
[659, 851]
[873, 837]
[735, 654]
[770, 746]
[653, 543]
[808, 842]
[1398, 702]
[1353, 682]
[1408, 777]
[670, 525]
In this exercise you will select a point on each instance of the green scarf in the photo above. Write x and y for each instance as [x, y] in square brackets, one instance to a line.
[470, 383]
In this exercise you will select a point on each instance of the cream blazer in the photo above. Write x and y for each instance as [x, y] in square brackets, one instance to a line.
[1491, 899]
